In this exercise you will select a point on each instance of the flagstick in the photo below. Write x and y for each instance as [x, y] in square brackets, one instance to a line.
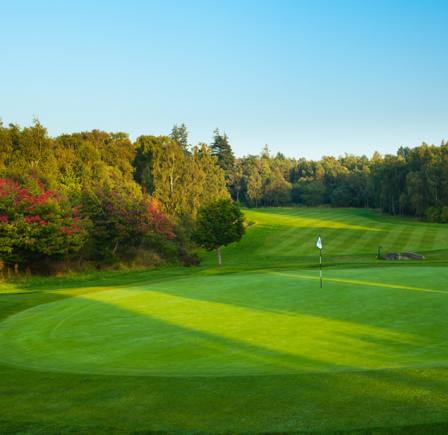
[319, 245]
[320, 258]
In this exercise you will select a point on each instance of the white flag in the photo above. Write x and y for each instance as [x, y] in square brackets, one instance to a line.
[319, 243]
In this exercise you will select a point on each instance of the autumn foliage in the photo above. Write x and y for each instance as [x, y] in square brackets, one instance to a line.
[35, 221]
[121, 217]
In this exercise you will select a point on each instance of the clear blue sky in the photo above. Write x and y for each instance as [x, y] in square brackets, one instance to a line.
[308, 78]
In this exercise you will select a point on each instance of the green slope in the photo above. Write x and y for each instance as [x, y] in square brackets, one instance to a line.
[292, 233]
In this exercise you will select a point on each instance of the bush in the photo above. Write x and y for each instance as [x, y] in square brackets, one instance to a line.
[187, 259]
[444, 215]
[432, 214]
[37, 223]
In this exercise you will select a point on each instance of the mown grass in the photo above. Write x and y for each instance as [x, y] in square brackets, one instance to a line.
[366, 354]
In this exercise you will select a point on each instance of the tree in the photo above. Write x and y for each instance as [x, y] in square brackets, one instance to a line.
[218, 224]
[235, 179]
[444, 215]
[313, 194]
[265, 153]
[182, 182]
[220, 148]
[416, 192]
[90, 158]
[173, 178]
[180, 136]
[341, 197]
[5, 148]
[214, 183]
[37, 222]
[277, 189]
[254, 185]
[121, 217]
[403, 152]
[30, 151]
[432, 214]
[146, 148]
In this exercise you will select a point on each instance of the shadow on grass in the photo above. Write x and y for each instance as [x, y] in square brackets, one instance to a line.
[367, 403]
[387, 401]
[192, 336]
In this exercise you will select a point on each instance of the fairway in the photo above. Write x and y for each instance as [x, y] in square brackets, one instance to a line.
[253, 346]
[285, 234]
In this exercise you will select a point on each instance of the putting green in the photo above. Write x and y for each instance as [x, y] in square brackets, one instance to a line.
[269, 322]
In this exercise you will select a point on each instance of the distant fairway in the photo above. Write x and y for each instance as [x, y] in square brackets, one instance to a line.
[293, 233]
[255, 346]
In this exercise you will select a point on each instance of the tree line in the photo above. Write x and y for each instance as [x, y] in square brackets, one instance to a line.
[406, 183]
[182, 177]
[122, 190]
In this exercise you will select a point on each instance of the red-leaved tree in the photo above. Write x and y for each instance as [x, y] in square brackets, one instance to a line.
[34, 220]
[120, 217]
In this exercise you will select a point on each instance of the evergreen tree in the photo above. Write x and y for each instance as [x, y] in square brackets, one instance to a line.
[220, 148]
[180, 136]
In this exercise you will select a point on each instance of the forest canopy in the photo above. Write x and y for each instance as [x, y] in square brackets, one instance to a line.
[181, 177]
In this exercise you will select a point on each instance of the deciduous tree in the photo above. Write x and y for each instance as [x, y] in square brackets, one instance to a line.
[218, 224]
[34, 220]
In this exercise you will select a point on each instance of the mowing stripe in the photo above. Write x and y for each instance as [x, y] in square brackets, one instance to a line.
[428, 237]
[414, 240]
[359, 282]
[398, 238]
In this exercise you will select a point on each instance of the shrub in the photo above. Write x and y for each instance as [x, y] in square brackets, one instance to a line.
[432, 214]
[444, 215]
[35, 221]
[187, 259]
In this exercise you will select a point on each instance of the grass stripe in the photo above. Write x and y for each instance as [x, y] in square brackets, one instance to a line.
[349, 281]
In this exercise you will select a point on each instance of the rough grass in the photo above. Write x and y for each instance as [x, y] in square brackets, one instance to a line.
[366, 354]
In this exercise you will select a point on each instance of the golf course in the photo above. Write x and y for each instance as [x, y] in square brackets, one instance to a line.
[254, 346]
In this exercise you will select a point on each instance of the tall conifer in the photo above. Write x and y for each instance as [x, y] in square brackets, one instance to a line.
[220, 148]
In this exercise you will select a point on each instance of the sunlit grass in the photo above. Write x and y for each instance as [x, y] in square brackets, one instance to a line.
[265, 323]
[293, 233]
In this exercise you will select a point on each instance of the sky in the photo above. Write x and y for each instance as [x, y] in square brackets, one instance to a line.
[308, 78]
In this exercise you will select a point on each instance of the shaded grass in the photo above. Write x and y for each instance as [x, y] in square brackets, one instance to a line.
[266, 404]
